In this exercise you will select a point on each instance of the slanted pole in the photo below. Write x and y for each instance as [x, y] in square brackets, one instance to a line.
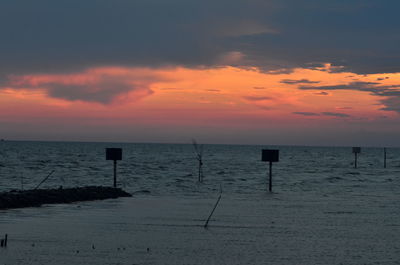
[270, 176]
[215, 206]
[384, 157]
[355, 160]
[115, 173]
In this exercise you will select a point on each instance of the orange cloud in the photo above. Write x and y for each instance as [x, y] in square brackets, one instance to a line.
[227, 96]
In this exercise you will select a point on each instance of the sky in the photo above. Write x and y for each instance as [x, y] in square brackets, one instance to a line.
[269, 72]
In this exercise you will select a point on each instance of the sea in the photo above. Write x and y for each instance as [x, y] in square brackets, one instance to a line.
[322, 209]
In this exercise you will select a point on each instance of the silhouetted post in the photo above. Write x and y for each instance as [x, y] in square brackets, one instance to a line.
[199, 152]
[384, 157]
[356, 150]
[115, 173]
[44, 179]
[3, 242]
[22, 181]
[270, 156]
[270, 176]
[114, 154]
[215, 206]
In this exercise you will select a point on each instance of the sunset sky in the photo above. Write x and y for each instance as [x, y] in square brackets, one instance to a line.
[303, 72]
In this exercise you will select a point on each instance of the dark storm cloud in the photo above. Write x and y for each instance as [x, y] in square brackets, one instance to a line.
[336, 114]
[322, 93]
[360, 86]
[172, 88]
[391, 103]
[306, 113]
[332, 114]
[68, 35]
[382, 78]
[300, 81]
[373, 87]
[257, 98]
[103, 93]
[390, 93]
[98, 87]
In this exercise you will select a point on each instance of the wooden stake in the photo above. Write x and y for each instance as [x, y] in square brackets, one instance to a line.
[115, 173]
[199, 152]
[384, 157]
[215, 206]
[355, 160]
[44, 180]
[270, 176]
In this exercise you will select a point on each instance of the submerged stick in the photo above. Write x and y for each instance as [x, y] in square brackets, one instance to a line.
[215, 206]
[384, 157]
[3, 242]
[44, 180]
[199, 152]
[22, 181]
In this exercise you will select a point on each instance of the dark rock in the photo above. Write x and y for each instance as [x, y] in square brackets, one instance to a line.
[35, 198]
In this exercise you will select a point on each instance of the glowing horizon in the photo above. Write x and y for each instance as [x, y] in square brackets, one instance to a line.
[198, 102]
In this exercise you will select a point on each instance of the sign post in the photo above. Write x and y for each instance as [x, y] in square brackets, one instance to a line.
[356, 150]
[114, 154]
[270, 156]
[384, 157]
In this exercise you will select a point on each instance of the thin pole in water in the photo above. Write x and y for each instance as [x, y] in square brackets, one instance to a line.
[270, 176]
[384, 157]
[115, 173]
[270, 156]
[114, 154]
[44, 179]
[22, 181]
[215, 206]
[355, 160]
[3, 242]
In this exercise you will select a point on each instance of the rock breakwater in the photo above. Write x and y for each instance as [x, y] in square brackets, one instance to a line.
[38, 197]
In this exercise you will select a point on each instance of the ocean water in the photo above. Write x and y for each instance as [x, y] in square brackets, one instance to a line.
[322, 210]
[165, 169]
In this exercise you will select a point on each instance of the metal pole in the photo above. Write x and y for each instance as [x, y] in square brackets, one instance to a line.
[355, 160]
[270, 176]
[384, 157]
[215, 206]
[44, 179]
[115, 173]
[200, 177]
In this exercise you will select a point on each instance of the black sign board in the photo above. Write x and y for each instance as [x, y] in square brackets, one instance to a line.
[356, 150]
[114, 154]
[270, 155]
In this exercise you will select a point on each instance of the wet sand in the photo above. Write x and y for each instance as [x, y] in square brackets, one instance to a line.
[273, 228]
